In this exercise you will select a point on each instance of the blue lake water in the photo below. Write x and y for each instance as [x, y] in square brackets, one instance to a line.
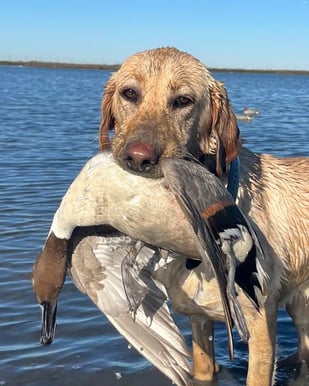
[49, 122]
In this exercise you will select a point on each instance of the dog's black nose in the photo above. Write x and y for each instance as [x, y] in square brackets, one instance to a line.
[140, 157]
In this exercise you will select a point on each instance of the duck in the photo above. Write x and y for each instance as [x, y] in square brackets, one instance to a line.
[243, 117]
[125, 238]
[250, 111]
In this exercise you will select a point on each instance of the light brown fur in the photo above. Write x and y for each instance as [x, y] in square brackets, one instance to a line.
[159, 78]
[273, 194]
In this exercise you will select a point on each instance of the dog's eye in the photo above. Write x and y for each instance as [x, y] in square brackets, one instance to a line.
[182, 101]
[130, 94]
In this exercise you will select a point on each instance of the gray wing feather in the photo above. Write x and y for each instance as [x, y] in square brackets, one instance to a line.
[195, 189]
[96, 270]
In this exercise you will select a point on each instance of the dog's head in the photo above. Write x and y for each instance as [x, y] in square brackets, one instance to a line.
[164, 103]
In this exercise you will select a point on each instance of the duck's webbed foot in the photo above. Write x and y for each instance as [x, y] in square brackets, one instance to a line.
[134, 287]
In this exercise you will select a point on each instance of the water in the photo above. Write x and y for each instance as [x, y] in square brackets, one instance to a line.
[49, 122]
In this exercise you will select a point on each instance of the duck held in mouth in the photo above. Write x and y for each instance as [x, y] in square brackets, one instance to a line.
[188, 213]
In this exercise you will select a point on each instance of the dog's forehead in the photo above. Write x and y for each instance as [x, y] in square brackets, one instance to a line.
[173, 67]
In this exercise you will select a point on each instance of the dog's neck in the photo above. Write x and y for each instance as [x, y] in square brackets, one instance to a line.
[230, 177]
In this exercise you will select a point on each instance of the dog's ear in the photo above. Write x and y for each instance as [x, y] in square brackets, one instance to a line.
[223, 140]
[107, 117]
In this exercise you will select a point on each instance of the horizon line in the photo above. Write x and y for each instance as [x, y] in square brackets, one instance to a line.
[114, 67]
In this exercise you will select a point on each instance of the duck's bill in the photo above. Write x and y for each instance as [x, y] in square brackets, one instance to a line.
[48, 330]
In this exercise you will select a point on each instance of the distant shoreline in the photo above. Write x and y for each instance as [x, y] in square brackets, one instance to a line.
[33, 63]
[115, 67]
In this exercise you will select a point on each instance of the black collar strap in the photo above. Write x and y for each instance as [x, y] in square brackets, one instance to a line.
[234, 176]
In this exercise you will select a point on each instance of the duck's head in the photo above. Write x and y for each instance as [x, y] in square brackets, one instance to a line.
[48, 276]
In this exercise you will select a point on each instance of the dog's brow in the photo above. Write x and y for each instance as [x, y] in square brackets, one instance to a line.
[176, 85]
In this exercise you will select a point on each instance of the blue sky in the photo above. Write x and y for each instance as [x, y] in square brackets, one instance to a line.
[258, 34]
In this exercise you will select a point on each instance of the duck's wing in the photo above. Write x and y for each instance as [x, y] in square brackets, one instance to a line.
[217, 223]
[96, 270]
[186, 181]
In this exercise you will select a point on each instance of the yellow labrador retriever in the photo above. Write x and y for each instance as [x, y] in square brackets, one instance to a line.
[164, 103]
